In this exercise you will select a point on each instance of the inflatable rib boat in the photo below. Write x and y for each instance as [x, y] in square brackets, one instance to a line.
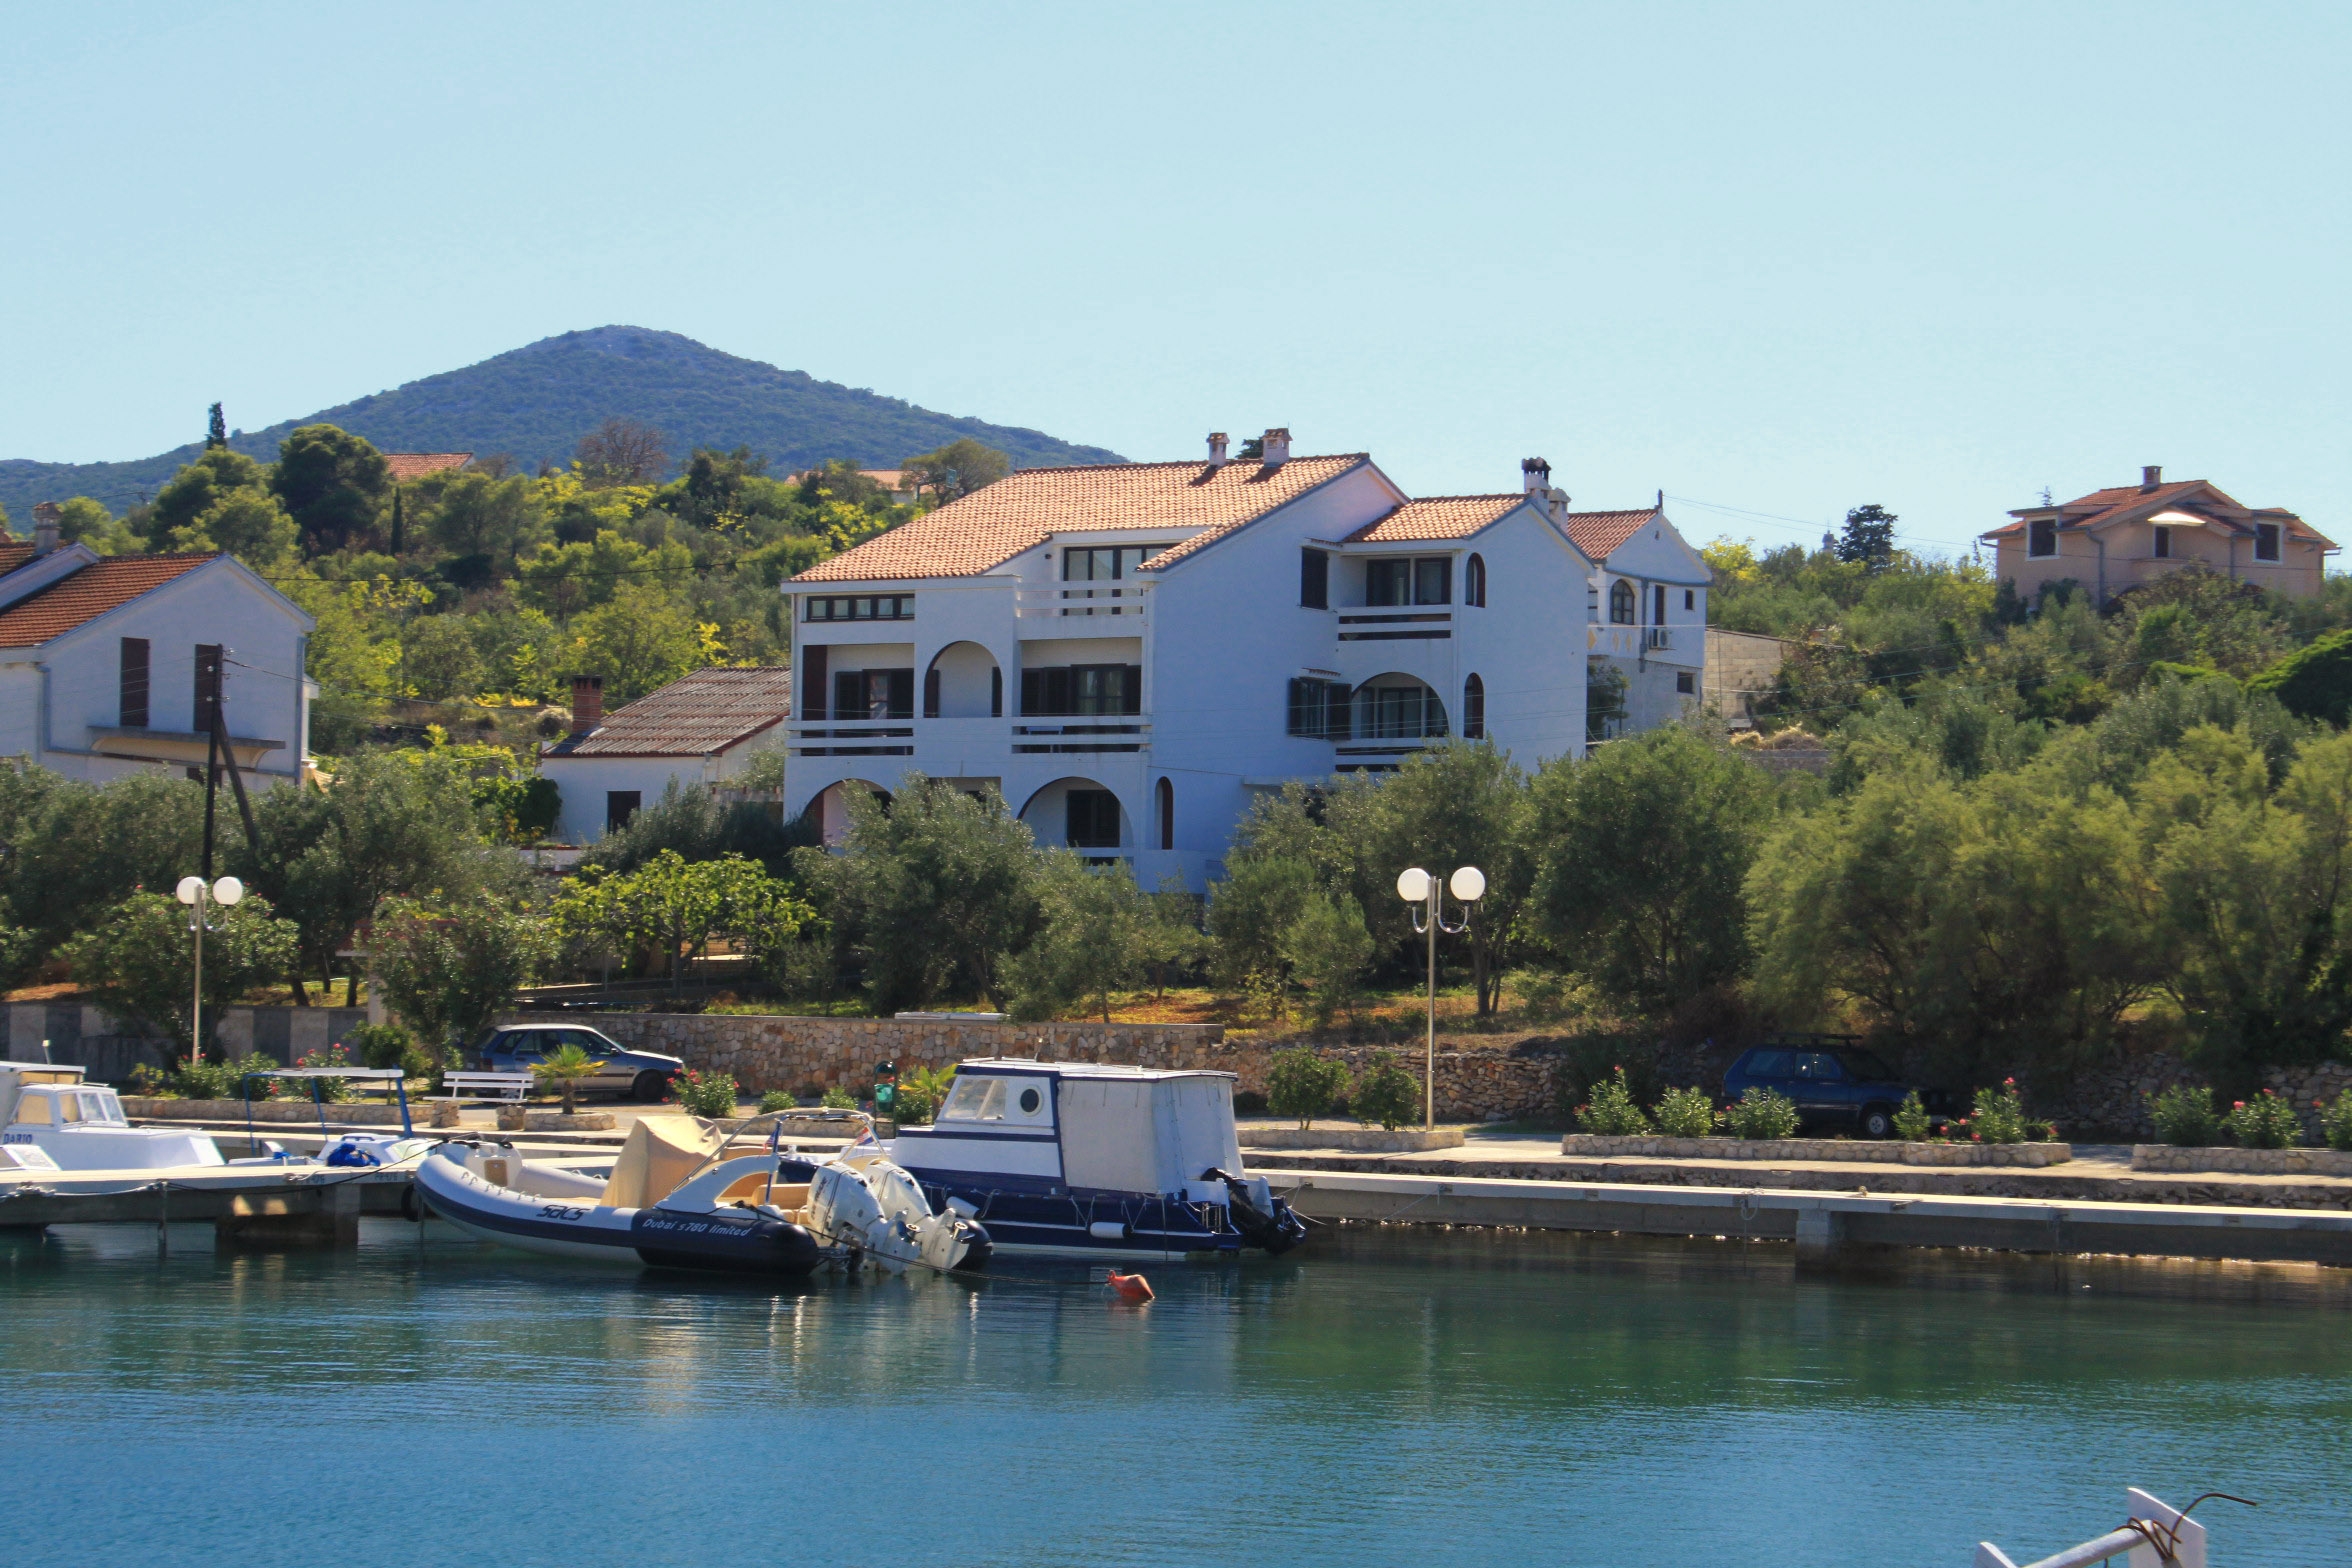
[673, 1200]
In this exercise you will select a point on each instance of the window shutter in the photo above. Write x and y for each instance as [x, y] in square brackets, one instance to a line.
[931, 693]
[1134, 692]
[134, 683]
[902, 694]
[1314, 580]
[995, 692]
[814, 682]
[849, 694]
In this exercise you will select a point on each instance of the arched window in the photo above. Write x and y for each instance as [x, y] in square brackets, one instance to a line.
[1474, 709]
[1474, 581]
[1621, 603]
[1167, 806]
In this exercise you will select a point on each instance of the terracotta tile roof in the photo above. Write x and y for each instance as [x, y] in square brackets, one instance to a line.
[407, 466]
[1436, 517]
[13, 556]
[990, 526]
[1598, 534]
[83, 596]
[694, 716]
[2120, 503]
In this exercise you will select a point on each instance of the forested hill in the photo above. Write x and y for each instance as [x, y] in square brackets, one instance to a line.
[535, 404]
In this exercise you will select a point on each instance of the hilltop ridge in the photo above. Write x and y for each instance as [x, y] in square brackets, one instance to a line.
[537, 401]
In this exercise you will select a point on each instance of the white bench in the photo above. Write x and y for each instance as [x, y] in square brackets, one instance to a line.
[512, 1087]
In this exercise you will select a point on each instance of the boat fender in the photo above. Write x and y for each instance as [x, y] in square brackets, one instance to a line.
[1107, 1230]
[1130, 1287]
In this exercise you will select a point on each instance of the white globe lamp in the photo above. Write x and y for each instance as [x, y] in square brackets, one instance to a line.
[1469, 884]
[228, 890]
[1413, 885]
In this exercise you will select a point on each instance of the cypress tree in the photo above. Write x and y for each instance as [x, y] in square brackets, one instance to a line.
[218, 433]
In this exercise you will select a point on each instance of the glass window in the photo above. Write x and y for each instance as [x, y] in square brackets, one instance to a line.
[1433, 581]
[1093, 819]
[1474, 581]
[2041, 536]
[1772, 1064]
[1819, 1066]
[2163, 542]
[1473, 708]
[1621, 603]
[1388, 582]
[1861, 1064]
[1686, 684]
[1398, 713]
[2266, 541]
[1103, 563]
[861, 607]
[69, 1107]
[33, 1110]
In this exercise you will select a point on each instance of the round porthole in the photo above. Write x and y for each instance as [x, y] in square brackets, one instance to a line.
[1030, 1101]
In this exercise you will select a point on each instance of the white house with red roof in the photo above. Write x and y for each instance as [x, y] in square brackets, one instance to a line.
[1129, 653]
[704, 728]
[102, 658]
[1647, 614]
[2116, 539]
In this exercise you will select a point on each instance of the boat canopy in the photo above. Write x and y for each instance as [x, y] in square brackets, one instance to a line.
[1141, 1131]
[662, 1151]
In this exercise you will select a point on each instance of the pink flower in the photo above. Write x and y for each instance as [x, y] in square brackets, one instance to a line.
[2237, 1105]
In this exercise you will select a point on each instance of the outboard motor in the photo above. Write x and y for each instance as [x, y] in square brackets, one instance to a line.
[1263, 1220]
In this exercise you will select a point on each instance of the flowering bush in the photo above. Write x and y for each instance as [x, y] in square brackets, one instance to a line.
[2264, 1122]
[1760, 1113]
[332, 1090]
[1687, 1113]
[1999, 1116]
[708, 1095]
[1610, 1110]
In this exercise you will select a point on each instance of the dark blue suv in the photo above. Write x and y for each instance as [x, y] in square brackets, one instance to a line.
[1833, 1082]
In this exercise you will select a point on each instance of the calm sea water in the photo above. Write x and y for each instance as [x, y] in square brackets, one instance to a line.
[1385, 1398]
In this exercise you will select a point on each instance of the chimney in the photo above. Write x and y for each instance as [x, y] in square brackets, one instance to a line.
[2150, 477]
[1535, 475]
[45, 525]
[1277, 448]
[587, 703]
[1217, 458]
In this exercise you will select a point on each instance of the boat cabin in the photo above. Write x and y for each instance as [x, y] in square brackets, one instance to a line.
[1082, 1127]
[57, 1091]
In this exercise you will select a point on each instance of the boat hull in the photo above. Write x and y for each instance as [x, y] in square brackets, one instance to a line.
[724, 1242]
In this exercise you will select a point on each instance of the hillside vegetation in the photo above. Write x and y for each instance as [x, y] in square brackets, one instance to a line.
[535, 404]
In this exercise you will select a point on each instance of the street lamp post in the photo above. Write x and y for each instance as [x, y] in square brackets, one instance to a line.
[195, 893]
[1427, 896]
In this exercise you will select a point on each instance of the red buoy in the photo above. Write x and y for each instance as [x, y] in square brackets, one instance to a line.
[1131, 1287]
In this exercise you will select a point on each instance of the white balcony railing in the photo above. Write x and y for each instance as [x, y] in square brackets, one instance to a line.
[1081, 601]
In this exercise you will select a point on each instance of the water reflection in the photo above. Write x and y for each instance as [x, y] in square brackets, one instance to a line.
[1386, 1397]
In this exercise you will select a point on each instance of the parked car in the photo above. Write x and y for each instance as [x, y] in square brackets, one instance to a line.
[1834, 1083]
[640, 1075]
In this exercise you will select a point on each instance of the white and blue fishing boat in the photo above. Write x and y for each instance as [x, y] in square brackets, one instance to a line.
[1081, 1159]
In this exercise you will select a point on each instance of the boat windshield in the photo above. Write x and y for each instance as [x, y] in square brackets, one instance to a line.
[975, 1100]
[33, 1111]
[100, 1105]
[69, 1107]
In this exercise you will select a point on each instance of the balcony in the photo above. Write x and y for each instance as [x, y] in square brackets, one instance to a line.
[853, 738]
[1080, 610]
[1629, 642]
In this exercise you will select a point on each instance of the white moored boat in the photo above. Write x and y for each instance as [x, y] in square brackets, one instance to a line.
[81, 1127]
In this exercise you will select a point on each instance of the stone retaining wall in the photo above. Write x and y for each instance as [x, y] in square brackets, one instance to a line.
[369, 1113]
[1845, 1149]
[2255, 1162]
[777, 1051]
[1408, 1140]
[2114, 1099]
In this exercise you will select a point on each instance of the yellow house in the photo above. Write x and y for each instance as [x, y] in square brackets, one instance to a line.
[2117, 539]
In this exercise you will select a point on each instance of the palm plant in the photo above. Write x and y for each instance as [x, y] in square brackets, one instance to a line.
[564, 1067]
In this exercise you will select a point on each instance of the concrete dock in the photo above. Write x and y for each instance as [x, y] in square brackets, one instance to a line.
[1827, 1227]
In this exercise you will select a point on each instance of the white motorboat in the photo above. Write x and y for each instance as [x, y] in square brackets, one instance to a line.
[1087, 1159]
[81, 1125]
[674, 1198]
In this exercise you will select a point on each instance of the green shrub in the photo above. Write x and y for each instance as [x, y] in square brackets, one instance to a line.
[1912, 1123]
[2185, 1117]
[1999, 1116]
[922, 1092]
[839, 1099]
[332, 1091]
[1302, 1084]
[1609, 1110]
[214, 1079]
[391, 1045]
[150, 1081]
[2335, 1121]
[1386, 1094]
[1761, 1114]
[1686, 1113]
[2265, 1122]
[708, 1095]
[777, 1100]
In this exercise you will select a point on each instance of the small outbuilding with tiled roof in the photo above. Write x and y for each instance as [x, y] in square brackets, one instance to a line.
[105, 661]
[702, 728]
[2114, 540]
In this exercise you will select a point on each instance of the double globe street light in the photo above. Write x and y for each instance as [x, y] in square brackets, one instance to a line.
[195, 892]
[1427, 896]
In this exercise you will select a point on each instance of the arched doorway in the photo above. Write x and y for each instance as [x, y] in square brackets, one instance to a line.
[831, 808]
[963, 682]
[1473, 708]
[1080, 814]
[1397, 707]
[1164, 803]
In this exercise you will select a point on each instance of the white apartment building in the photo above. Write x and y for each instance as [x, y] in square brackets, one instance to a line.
[1129, 653]
[105, 661]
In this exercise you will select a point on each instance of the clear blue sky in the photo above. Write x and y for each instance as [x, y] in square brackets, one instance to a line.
[1785, 258]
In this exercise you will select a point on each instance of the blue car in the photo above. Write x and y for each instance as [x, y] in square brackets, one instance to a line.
[638, 1075]
[1834, 1083]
